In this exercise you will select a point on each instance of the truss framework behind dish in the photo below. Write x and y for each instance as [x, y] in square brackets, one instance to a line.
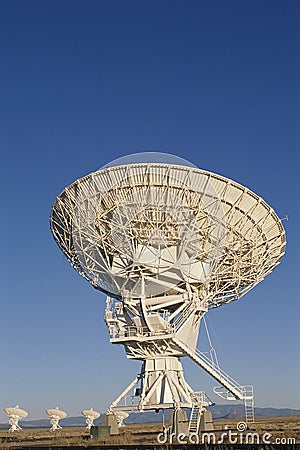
[255, 238]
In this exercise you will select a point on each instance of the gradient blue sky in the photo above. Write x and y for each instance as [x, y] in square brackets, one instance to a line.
[84, 82]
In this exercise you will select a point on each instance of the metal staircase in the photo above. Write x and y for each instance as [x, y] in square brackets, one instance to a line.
[222, 377]
[233, 390]
[196, 412]
[249, 403]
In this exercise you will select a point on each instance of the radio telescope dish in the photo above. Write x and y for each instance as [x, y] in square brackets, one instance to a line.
[90, 415]
[166, 242]
[55, 415]
[15, 414]
[121, 416]
[169, 225]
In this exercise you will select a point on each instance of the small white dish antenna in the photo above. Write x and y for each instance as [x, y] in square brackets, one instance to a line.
[55, 415]
[15, 414]
[121, 416]
[90, 415]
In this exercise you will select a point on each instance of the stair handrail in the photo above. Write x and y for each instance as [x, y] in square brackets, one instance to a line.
[219, 374]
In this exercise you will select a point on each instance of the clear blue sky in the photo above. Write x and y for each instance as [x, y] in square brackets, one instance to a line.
[84, 82]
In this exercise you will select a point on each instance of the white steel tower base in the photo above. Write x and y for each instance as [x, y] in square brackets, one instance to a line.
[160, 343]
[162, 386]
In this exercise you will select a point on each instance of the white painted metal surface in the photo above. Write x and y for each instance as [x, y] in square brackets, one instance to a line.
[15, 414]
[173, 224]
[90, 415]
[166, 243]
[121, 416]
[55, 415]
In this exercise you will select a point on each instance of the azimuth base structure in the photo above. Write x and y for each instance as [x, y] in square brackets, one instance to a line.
[167, 242]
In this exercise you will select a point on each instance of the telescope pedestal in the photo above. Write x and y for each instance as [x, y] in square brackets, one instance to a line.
[161, 386]
[163, 383]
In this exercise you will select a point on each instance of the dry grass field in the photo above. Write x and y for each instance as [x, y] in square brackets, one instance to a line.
[140, 435]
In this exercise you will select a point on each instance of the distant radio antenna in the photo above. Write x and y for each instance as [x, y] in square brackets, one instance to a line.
[90, 415]
[55, 415]
[121, 416]
[15, 414]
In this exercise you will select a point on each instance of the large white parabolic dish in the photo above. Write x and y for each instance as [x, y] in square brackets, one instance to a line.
[171, 227]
